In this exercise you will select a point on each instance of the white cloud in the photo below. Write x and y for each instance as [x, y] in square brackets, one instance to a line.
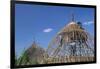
[47, 30]
[88, 23]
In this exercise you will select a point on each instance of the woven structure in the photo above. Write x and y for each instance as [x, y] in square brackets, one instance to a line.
[72, 41]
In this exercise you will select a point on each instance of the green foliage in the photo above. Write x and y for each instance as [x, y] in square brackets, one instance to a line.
[32, 55]
[25, 60]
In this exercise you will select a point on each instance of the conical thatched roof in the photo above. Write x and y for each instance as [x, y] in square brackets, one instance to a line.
[69, 40]
[35, 53]
[70, 26]
[73, 31]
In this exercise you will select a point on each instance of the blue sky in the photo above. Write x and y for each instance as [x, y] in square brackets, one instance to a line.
[41, 23]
